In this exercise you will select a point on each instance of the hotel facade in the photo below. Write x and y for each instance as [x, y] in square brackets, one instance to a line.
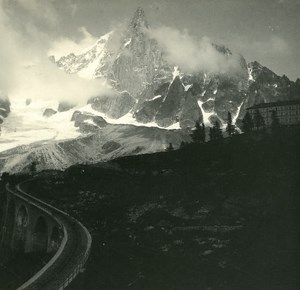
[288, 112]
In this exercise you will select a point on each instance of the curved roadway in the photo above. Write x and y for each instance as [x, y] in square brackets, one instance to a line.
[72, 254]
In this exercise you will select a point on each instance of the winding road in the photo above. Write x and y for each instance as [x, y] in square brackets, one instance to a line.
[70, 258]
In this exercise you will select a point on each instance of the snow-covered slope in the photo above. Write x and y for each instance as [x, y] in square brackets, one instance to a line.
[150, 94]
[92, 63]
[26, 124]
[38, 121]
[58, 140]
[110, 142]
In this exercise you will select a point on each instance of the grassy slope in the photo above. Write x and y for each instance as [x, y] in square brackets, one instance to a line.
[213, 216]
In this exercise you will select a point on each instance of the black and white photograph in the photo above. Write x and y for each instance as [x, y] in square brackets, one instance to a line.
[149, 144]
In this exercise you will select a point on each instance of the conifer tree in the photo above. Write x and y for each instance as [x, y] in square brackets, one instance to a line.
[170, 147]
[5, 177]
[229, 128]
[203, 133]
[211, 134]
[198, 134]
[218, 130]
[182, 144]
[215, 132]
[32, 168]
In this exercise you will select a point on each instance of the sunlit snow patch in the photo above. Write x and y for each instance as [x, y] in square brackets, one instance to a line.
[127, 43]
[186, 88]
[127, 119]
[205, 115]
[156, 97]
[26, 124]
[237, 113]
[250, 76]
[176, 72]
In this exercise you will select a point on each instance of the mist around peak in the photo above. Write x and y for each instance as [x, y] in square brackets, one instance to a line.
[29, 73]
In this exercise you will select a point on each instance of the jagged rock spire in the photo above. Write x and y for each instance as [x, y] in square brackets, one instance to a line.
[139, 19]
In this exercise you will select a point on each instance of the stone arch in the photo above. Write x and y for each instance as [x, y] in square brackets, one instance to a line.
[55, 239]
[10, 222]
[22, 221]
[40, 235]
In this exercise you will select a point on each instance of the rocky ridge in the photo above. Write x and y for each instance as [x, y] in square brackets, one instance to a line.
[153, 90]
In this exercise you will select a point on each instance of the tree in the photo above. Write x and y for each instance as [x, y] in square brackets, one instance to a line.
[215, 132]
[248, 124]
[258, 120]
[275, 122]
[198, 134]
[218, 130]
[170, 147]
[211, 134]
[183, 144]
[203, 135]
[5, 177]
[32, 168]
[229, 128]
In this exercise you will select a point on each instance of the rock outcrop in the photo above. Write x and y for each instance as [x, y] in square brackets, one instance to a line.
[88, 123]
[114, 106]
[153, 90]
[65, 106]
[49, 112]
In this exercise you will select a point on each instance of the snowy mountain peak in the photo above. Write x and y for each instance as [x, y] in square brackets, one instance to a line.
[139, 19]
[257, 71]
[255, 66]
[93, 62]
[139, 66]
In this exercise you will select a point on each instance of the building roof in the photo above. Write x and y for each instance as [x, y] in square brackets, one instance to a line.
[275, 104]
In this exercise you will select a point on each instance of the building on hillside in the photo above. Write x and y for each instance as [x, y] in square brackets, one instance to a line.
[288, 112]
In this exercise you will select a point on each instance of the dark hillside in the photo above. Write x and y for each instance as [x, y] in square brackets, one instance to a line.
[222, 215]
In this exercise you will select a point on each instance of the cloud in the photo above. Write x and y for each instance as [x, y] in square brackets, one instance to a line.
[64, 46]
[43, 80]
[190, 54]
[157, 5]
[272, 47]
[275, 45]
[73, 7]
[296, 2]
[26, 71]
[41, 9]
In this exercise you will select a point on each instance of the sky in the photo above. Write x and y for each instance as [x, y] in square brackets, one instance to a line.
[28, 28]
[262, 30]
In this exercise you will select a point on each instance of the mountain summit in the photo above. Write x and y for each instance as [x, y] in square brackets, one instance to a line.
[139, 19]
[150, 89]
